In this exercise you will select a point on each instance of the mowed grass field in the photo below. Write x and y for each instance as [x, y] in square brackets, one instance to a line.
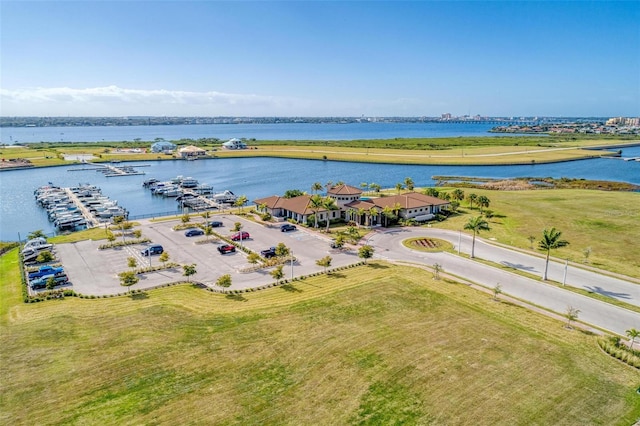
[376, 344]
[485, 150]
[606, 221]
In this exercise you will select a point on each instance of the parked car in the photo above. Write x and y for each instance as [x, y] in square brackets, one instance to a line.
[287, 227]
[215, 224]
[41, 282]
[240, 236]
[45, 270]
[270, 252]
[151, 250]
[226, 248]
[193, 232]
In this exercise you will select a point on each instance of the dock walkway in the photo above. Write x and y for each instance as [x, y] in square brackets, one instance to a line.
[91, 220]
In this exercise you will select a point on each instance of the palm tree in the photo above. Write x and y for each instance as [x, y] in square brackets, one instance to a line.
[329, 204]
[476, 224]
[632, 333]
[396, 209]
[408, 182]
[361, 212]
[317, 186]
[350, 213]
[387, 212]
[315, 204]
[240, 202]
[550, 240]
[364, 186]
[399, 187]
[458, 194]
[374, 212]
[483, 201]
[374, 187]
[472, 199]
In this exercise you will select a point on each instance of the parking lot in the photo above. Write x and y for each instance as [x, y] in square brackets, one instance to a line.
[95, 272]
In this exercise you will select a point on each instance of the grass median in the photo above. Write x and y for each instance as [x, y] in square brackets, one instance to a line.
[375, 344]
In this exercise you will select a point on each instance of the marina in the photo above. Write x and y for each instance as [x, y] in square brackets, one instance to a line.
[190, 193]
[76, 208]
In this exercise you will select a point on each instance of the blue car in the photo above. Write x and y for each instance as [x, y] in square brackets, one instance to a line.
[193, 232]
[287, 227]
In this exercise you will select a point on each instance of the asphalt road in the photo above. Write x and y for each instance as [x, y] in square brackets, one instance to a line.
[388, 245]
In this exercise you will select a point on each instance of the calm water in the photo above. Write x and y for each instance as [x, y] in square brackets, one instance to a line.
[260, 177]
[288, 131]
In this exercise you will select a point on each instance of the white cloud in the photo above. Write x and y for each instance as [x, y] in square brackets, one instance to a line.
[114, 100]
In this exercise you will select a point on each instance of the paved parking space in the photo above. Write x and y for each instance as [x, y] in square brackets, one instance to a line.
[95, 272]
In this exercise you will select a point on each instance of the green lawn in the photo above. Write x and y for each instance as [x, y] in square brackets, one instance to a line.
[605, 221]
[377, 344]
[461, 150]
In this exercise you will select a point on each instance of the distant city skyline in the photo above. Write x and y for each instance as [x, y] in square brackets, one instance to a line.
[315, 59]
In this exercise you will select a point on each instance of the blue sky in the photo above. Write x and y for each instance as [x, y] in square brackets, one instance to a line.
[328, 58]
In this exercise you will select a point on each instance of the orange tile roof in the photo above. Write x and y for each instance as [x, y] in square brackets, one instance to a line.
[344, 190]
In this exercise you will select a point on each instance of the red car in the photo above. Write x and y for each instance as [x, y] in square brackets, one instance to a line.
[226, 248]
[240, 236]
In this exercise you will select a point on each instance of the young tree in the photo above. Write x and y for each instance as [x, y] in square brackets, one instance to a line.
[128, 278]
[497, 290]
[132, 262]
[206, 215]
[374, 212]
[119, 221]
[164, 258]
[45, 256]
[237, 227]
[632, 333]
[185, 218]
[586, 252]
[325, 262]
[365, 252]
[437, 268]
[277, 274]
[282, 250]
[51, 283]
[550, 240]
[253, 258]
[531, 239]
[188, 270]
[224, 281]
[137, 233]
[36, 234]
[240, 202]
[208, 232]
[476, 224]
[353, 234]
[339, 241]
[571, 315]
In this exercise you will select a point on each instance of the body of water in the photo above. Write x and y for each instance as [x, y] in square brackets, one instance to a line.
[261, 177]
[285, 131]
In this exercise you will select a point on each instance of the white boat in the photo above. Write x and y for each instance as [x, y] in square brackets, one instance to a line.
[225, 196]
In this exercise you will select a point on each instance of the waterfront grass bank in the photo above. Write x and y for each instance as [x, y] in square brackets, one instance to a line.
[437, 151]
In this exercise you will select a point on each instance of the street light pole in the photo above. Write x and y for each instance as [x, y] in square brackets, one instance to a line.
[459, 241]
[564, 278]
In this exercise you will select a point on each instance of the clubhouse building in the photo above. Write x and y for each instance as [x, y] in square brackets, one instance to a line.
[349, 205]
